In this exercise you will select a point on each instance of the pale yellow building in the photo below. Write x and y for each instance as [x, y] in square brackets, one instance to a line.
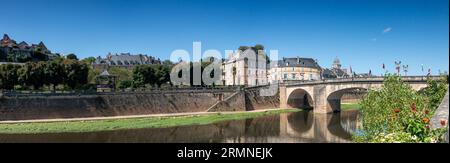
[294, 69]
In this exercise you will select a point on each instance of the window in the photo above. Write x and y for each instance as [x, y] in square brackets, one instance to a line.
[285, 76]
[293, 76]
[310, 76]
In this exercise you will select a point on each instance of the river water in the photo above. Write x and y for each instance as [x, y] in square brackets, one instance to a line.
[299, 127]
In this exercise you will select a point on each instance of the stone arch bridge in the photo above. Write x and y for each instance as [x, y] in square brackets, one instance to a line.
[325, 96]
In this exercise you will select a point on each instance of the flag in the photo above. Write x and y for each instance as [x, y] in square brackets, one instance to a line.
[351, 71]
[383, 66]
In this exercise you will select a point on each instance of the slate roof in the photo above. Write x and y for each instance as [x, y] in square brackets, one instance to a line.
[126, 59]
[298, 62]
[334, 73]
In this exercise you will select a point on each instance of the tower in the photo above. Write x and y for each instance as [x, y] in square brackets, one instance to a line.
[336, 63]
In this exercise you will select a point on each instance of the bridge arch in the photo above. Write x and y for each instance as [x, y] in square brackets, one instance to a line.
[334, 98]
[300, 98]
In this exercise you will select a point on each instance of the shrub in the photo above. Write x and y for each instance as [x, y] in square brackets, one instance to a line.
[397, 113]
[124, 84]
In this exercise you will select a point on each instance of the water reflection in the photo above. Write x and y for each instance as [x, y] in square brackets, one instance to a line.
[300, 127]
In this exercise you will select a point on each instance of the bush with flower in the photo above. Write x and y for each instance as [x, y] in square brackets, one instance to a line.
[397, 113]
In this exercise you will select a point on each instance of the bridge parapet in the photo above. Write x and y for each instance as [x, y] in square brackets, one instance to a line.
[355, 80]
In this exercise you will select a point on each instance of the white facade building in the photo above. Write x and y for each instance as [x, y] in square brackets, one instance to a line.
[245, 68]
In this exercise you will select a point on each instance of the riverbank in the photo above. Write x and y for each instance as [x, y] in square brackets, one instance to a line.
[130, 122]
[350, 106]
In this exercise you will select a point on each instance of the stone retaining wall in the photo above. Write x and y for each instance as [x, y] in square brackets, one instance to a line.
[42, 107]
[103, 105]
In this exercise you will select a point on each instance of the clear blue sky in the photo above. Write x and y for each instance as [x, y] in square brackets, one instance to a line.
[362, 33]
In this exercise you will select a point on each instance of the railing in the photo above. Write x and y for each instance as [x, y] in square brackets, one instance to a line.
[360, 79]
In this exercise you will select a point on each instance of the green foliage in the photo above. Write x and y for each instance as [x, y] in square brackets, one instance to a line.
[397, 111]
[31, 74]
[54, 73]
[167, 63]
[435, 91]
[124, 84]
[39, 55]
[38, 74]
[22, 57]
[121, 73]
[402, 137]
[89, 60]
[10, 57]
[92, 75]
[76, 73]
[154, 75]
[72, 56]
[8, 76]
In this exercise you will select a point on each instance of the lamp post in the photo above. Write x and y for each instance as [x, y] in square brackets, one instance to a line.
[405, 69]
[397, 66]
[423, 73]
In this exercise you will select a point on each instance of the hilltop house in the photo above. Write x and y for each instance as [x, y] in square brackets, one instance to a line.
[11, 51]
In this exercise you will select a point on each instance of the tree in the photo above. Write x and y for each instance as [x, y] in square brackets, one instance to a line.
[21, 57]
[72, 56]
[32, 74]
[258, 47]
[162, 74]
[10, 57]
[76, 73]
[142, 75]
[37, 75]
[89, 60]
[8, 76]
[54, 73]
[167, 63]
[155, 75]
[124, 84]
[39, 55]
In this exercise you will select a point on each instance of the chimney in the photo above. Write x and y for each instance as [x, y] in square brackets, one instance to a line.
[298, 59]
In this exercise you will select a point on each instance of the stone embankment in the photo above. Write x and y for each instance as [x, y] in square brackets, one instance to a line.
[122, 104]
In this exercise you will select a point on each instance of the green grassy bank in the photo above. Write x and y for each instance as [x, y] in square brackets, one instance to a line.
[350, 106]
[134, 123]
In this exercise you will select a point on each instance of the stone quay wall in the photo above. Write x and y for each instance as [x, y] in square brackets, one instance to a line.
[121, 104]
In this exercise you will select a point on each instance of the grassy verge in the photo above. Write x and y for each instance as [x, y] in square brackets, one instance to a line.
[350, 106]
[136, 123]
